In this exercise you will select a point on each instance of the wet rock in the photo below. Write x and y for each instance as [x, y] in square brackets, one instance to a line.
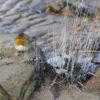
[40, 8]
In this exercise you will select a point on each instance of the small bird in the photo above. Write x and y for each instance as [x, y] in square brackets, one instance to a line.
[22, 42]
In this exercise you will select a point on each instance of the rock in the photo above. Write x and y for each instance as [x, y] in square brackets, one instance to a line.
[96, 59]
[56, 6]
[74, 94]
[18, 72]
[93, 85]
[4, 95]
[44, 94]
[14, 75]
[66, 13]
[14, 68]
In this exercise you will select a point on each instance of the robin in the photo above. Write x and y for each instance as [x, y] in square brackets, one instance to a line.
[22, 42]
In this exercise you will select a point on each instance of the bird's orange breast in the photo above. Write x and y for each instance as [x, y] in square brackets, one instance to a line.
[20, 41]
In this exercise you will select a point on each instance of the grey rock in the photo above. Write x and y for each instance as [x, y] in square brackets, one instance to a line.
[96, 59]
